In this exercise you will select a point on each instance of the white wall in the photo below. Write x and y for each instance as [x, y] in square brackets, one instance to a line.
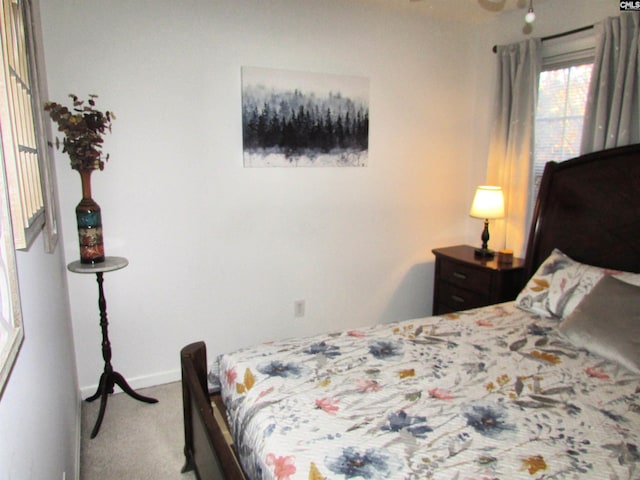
[219, 252]
[39, 408]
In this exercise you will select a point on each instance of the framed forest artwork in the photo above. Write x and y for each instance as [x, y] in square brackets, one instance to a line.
[300, 119]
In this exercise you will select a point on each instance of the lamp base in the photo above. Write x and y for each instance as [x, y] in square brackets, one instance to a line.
[484, 253]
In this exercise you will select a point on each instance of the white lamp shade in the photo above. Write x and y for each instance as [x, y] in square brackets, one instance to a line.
[488, 202]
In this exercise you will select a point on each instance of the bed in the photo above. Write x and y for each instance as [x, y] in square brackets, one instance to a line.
[546, 386]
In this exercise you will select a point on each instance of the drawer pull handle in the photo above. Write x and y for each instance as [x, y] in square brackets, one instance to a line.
[459, 275]
[456, 298]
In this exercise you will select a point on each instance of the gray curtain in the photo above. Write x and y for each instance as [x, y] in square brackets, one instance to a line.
[511, 147]
[612, 115]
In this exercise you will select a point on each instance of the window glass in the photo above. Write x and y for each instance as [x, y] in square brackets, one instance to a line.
[562, 97]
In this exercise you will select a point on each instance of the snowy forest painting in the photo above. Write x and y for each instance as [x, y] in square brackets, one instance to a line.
[299, 119]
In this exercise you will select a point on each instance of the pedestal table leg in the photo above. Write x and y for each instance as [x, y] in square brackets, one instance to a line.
[109, 377]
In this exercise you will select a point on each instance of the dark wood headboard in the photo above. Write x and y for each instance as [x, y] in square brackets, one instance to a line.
[589, 207]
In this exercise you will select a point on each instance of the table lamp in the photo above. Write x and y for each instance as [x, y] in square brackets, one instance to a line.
[488, 203]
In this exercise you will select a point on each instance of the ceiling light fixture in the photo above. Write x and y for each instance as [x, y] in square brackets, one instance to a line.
[531, 15]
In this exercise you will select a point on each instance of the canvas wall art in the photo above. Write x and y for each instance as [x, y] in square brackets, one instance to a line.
[301, 119]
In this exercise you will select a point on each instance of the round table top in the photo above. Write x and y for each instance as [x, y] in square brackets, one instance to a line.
[109, 265]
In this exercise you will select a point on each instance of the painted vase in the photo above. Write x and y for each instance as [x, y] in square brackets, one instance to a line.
[89, 218]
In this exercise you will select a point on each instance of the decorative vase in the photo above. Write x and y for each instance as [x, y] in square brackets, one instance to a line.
[89, 218]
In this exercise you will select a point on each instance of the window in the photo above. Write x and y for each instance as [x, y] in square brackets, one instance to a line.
[562, 96]
[24, 144]
[11, 331]
[26, 182]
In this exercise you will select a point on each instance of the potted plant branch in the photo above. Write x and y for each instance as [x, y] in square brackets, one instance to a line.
[83, 127]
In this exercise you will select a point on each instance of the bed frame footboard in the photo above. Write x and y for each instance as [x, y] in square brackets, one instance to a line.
[208, 448]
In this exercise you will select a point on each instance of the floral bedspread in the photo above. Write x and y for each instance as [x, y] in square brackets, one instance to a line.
[492, 393]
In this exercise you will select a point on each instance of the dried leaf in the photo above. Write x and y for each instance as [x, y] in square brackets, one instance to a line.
[534, 464]
[541, 342]
[557, 390]
[412, 397]
[324, 383]
[518, 344]
[410, 372]
[249, 379]
[547, 357]
[542, 399]
[613, 416]
[528, 404]
[314, 473]
[519, 386]
[541, 285]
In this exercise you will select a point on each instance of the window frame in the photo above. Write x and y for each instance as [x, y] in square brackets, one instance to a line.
[14, 234]
[559, 53]
[11, 328]
[25, 231]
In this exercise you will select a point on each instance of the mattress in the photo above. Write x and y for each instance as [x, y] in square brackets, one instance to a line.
[483, 394]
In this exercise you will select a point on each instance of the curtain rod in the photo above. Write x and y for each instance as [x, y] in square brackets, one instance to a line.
[557, 35]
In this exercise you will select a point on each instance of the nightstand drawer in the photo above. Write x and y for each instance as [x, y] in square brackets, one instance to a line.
[456, 298]
[465, 276]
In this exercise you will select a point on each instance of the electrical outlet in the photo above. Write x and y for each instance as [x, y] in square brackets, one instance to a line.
[298, 308]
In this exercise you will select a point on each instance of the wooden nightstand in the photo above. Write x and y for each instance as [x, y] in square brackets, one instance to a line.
[464, 281]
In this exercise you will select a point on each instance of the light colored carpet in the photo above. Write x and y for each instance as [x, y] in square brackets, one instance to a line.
[137, 441]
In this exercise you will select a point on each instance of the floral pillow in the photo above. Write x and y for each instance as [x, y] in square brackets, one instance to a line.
[561, 283]
[570, 285]
[533, 297]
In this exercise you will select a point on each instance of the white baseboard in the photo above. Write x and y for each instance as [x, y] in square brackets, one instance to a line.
[136, 383]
